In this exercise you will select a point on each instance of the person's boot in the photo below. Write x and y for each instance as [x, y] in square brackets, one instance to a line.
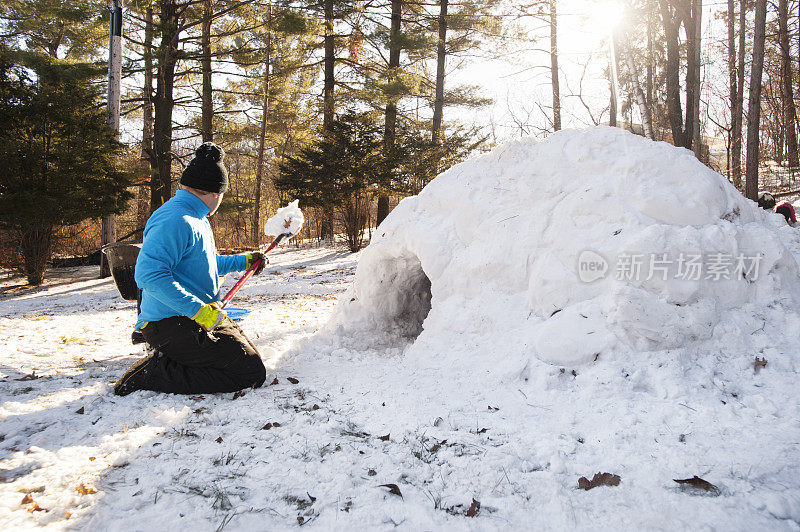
[137, 377]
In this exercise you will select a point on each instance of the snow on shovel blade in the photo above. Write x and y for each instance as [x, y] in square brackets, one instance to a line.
[287, 220]
[285, 224]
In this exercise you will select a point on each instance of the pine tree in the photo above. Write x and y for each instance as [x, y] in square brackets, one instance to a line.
[274, 56]
[339, 171]
[58, 28]
[57, 151]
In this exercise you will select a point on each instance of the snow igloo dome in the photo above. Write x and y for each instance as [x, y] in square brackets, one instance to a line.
[591, 242]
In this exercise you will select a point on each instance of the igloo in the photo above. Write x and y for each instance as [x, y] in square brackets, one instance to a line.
[530, 251]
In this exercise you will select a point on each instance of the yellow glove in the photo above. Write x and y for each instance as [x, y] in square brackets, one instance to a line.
[210, 316]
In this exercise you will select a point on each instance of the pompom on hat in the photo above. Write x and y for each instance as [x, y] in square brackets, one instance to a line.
[206, 171]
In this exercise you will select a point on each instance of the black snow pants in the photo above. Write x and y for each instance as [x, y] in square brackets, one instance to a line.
[189, 360]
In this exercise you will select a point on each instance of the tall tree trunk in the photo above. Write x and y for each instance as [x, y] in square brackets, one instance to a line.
[736, 126]
[641, 99]
[672, 73]
[689, 14]
[554, 64]
[329, 64]
[441, 56]
[614, 102]
[697, 142]
[36, 243]
[754, 101]
[650, 56]
[255, 238]
[787, 92]
[731, 73]
[164, 102]
[207, 102]
[147, 117]
[390, 118]
[328, 101]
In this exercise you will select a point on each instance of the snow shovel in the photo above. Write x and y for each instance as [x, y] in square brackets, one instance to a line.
[249, 273]
[286, 223]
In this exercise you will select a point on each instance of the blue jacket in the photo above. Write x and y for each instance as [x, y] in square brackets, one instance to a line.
[178, 268]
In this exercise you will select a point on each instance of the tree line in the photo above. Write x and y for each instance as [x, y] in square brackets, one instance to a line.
[346, 105]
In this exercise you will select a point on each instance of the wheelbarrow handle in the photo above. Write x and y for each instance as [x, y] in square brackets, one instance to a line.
[249, 273]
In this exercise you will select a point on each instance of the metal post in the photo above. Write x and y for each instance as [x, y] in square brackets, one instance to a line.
[109, 229]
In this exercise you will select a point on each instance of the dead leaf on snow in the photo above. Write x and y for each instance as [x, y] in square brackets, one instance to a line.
[85, 490]
[699, 484]
[393, 489]
[436, 446]
[493, 408]
[219, 440]
[292, 380]
[237, 395]
[27, 499]
[371, 473]
[36, 508]
[79, 411]
[196, 397]
[759, 363]
[474, 508]
[599, 479]
[384, 438]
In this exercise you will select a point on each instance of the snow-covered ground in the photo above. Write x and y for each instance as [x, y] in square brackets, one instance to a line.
[466, 379]
[152, 461]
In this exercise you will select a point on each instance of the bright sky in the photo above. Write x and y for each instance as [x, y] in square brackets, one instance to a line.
[521, 86]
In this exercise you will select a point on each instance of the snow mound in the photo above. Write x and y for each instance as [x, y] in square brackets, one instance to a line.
[532, 249]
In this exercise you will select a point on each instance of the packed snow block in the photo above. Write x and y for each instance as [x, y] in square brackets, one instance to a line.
[592, 241]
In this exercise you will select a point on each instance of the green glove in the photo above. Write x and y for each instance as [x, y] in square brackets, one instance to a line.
[210, 316]
[252, 258]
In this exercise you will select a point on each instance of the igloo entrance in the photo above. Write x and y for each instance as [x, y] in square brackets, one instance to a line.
[395, 296]
[406, 295]
[413, 300]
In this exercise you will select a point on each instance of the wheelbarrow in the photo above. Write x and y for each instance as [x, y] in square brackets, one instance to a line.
[122, 261]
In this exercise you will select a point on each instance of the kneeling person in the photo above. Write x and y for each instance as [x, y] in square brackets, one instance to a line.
[197, 348]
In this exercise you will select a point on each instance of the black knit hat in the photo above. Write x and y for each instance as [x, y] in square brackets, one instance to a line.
[206, 171]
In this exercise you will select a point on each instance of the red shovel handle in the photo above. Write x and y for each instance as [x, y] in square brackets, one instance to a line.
[249, 273]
